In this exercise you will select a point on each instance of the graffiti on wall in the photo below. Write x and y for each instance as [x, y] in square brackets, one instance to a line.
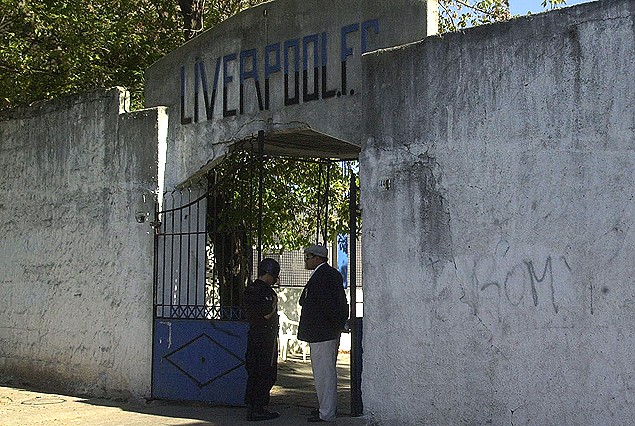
[528, 282]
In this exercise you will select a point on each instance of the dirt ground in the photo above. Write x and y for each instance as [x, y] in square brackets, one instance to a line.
[293, 396]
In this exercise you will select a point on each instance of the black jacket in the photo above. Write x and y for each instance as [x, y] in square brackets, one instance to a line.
[258, 302]
[324, 306]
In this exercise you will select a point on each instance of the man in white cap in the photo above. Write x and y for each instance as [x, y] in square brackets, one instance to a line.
[323, 316]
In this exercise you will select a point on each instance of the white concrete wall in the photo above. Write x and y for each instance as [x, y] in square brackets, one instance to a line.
[75, 266]
[210, 65]
[499, 259]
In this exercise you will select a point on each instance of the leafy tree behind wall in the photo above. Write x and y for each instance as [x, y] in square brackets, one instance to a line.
[51, 48]
[459, 14]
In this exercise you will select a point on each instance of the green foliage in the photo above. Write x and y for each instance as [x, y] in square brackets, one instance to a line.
[293, 199]
[552, 4]
[53, 48]
[459, 14]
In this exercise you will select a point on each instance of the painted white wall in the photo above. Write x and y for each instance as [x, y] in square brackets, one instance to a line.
[499, 290]
[197, 141]
[75, 265]
[498, 260]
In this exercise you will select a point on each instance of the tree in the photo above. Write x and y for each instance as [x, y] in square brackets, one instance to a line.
[459, 14]
[199, 15]
[53, 48]
[294, 200]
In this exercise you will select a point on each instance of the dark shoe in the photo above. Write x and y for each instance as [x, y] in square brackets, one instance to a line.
[314, 419]
[262, 414]
[315, 412]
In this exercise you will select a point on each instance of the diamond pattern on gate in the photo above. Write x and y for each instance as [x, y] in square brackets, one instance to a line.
[204, 360]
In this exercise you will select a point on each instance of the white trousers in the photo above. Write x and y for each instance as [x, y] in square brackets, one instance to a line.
[324, 365]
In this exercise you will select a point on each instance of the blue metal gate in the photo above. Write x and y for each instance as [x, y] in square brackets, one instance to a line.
[199, 337]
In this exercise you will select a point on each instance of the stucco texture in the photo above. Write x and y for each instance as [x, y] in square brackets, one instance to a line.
[497, 197]
[75, 265]
[222, 87]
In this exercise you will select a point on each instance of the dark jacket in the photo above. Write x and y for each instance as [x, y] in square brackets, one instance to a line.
[258, 302]
[324, 306]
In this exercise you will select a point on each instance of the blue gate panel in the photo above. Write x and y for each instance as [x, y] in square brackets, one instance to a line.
[200, 360]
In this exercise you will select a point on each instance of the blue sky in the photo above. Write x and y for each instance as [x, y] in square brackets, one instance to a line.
[521, 7]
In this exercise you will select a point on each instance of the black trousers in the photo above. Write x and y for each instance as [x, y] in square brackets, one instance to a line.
[261, 362]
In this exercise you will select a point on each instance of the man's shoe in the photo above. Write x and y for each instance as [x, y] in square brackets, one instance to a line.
[315, 412]
[315, 419]
[262, 414]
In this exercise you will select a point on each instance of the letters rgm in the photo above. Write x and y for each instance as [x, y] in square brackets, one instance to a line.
[310, 52]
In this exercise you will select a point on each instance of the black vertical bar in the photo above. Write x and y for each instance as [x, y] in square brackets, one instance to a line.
[172, 258]
[214, 247]
[189, 237]
[196, 260]
[261, 152]
[251, 203]
[179, 302]
[319, 205]
[208, 226]
[356, 353]
[162, 219]
[326, 202]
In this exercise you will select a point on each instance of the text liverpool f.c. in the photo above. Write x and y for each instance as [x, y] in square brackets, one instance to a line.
[201, 81]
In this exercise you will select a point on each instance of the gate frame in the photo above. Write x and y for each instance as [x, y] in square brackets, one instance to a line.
[355, 322]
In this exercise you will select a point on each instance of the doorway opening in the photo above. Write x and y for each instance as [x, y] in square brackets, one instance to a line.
[268, 198]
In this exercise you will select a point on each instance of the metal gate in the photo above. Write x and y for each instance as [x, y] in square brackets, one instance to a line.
[208, 238]
[199, 338]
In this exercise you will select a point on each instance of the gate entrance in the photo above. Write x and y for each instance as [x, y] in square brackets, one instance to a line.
[208, 239]
[198, 344]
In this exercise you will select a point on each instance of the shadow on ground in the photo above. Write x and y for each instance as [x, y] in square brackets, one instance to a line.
[293, 396]
[294, 387]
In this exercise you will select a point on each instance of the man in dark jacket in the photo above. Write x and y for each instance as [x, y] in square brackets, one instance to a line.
[323, 316]
[261, 359]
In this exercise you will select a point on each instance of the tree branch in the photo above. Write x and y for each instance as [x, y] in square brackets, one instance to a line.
[466, 4]
[448, 13]
[4, 24]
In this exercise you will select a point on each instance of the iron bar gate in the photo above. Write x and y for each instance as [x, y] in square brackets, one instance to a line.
[203, 260]
[207, 241]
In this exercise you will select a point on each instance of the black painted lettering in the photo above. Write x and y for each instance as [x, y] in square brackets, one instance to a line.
[271, 67]
[227, 78]
[306, 41]
[346, 52]
[251, 74]
[325, 93]
[294, 47]
[201, 76]
[374, 24]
